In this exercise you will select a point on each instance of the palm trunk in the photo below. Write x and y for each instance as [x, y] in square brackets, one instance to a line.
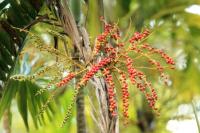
[80, 109]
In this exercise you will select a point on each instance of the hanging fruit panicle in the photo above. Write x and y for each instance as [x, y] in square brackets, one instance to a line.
[110, 54]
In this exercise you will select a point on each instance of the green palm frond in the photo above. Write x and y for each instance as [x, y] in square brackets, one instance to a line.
[24, 91]
[18, 14]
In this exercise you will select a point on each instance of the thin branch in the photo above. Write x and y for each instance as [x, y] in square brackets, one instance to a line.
[37, 20]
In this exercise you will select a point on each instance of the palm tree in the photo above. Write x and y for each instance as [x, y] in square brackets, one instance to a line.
[18, 19]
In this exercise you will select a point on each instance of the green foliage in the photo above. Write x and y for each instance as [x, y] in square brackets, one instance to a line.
[26, 100]
[24, 91]
[19, 14]
[93, 14]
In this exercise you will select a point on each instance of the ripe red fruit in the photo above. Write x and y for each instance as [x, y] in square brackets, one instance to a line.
[65, 80]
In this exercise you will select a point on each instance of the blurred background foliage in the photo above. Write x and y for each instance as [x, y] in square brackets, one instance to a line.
[174, 28]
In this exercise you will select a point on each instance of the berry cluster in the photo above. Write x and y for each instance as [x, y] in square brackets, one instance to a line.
[103, 38]
[66, 79]
[114, 54]
[111, 92]
[125, 94]
[151, 96]
[110, 31]
[139, 36]
[139, 79]
[131, 70]
[168, 59]
[94, 70]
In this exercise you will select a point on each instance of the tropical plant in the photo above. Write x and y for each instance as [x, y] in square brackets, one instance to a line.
[24, 22]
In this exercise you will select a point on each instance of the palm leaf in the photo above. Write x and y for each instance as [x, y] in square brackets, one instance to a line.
[22, 102]
[11, 43]
[18, 15]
